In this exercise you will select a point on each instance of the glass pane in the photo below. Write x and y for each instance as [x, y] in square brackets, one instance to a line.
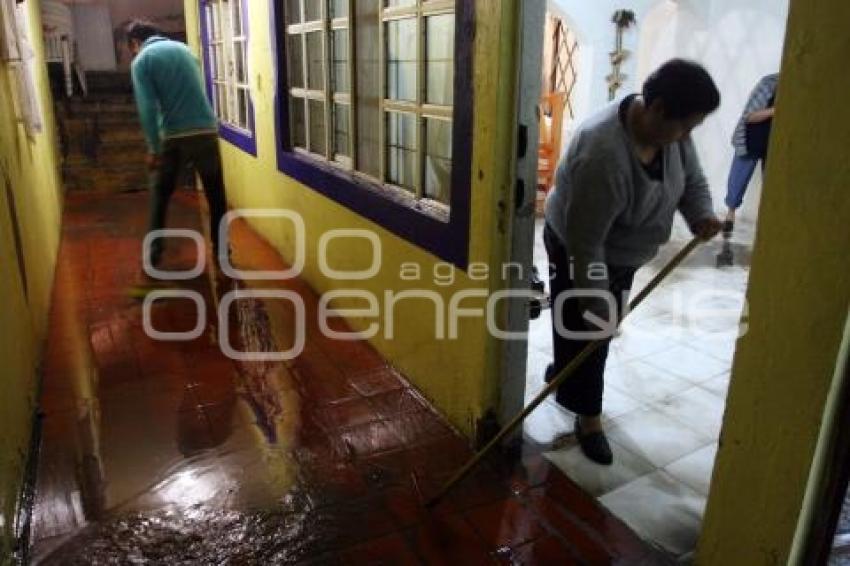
[216, 63]
[438, 160]
[439, 67]
[296, 61]
[213, 62]
[215, 27]
[369, 120]
[232, 113]
[339, 70]
[401, 59]
[222, 62]
[240, 59]
[224, 15]
[222, 110]
[317, 126]
[208, 14]
[297, 122]
[236, 17]
[342, 130]
[220, 101]
[242, 101]
[313, 10]
[339, 9]
[401, 150]
[315, 68]
[293, 12]
[398, 3]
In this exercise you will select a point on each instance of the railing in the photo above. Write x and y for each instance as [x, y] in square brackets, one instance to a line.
[53, 50]
[58, 49]
[59, 43]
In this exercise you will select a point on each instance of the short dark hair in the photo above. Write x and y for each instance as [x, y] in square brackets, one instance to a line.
[142, 30]
[684, 87]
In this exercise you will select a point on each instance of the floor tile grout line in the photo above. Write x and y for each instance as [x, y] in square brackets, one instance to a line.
[675, 475]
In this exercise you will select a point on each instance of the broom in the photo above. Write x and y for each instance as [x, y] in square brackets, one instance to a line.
[560, 378]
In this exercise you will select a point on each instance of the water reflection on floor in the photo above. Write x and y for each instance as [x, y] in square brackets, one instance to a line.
[170, 452]
[841, 550]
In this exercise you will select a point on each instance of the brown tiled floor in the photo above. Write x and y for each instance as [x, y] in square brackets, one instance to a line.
[172, 453]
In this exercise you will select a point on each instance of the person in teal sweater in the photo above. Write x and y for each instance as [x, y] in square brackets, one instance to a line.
[179, 124]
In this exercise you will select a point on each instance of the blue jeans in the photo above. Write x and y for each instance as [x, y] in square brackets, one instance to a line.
[740, 175]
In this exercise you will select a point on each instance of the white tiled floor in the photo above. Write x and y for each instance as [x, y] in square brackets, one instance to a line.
[666, 383]
[660, 508]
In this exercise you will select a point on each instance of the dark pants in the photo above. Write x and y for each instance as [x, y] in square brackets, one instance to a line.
[581, 393]
[202, 153]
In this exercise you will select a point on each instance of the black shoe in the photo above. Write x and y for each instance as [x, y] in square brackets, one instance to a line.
[550, 373]
[537, 284]
[594, 445]
[725, 258]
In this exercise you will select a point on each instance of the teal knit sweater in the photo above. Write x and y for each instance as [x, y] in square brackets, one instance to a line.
[169, 92]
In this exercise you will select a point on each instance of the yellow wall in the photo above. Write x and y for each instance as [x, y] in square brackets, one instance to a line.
[459, 376]
[799, 295]
[30, 167]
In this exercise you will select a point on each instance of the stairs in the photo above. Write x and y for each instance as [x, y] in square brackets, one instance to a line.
[102, 143]
[109, 82]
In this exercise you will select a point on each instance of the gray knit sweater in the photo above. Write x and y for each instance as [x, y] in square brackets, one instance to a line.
[607, 210]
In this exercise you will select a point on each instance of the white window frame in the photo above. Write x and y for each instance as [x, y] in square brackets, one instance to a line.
[222, 42]
[418, 9]
[421, 10]
[326, 26]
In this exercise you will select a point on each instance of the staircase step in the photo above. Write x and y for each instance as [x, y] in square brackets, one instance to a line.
[119, 134]
[104, 116]
[106, 150]
[129, 153]
[106, 178]
[109, 82]
[85, 133]
[109, 157]
[85, 107]
[108, 122]
[106, 97]
[65, 107]
[75, 161]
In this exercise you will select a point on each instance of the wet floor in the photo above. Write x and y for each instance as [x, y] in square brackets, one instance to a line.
[171, 453]
[841, 550]
[666, 382]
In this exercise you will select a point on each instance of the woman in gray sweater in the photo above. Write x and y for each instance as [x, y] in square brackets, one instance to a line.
[626, 173]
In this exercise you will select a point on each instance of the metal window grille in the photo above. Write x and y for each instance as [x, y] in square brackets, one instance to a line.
[564, 65]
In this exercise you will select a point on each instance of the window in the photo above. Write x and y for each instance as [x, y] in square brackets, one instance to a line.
[371, 89]
[374, 110]
[225, 35]
[320, 78]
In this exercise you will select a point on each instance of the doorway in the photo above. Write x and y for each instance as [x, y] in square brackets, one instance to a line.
[668, 371]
